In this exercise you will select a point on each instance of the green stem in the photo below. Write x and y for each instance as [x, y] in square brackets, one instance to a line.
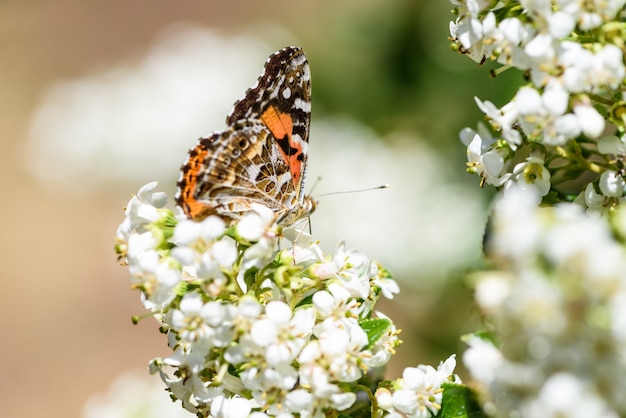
[370, 396]
[599, 99]
[595, 168]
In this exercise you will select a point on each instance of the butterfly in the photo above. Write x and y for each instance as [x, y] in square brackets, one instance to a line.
[262, 156]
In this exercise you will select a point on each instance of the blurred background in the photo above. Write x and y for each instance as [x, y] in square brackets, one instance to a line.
[99, 98]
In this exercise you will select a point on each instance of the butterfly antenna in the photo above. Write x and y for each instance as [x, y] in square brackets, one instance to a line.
[382, 186]
[315, 183]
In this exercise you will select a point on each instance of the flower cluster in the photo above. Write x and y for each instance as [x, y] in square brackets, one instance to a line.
[567, 124]
[557, 303]
[256, 330]
[418, 393]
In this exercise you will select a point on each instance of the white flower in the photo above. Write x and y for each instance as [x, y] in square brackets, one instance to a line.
[565, 395]
[470, 7]
[516, 227]
[591, 122]
[537, 304]
[192, 358]
[384, 397]
[555, 98]
[482, 360]
[354, 272]
[531, 176]
[475, 36]
[282, 332]
[140, 244]
[317, 378]
[560, 24]
[340, 345]
[262, 380]
[492, 289]
[207, 324]
[576, 62]
[200, 252]
[187, 231]
[543, 117]
[609, 68]
[387, 285]
[418, 393]
[513, 31]
[255, 225]
[236, 407]
[486, 162]
[468, 31]
[142, 208]
[133, 392]
[349, 268]
[381, 351]
[612, 184]
[157, 277]
[502, 120]
[342, 401]
[540, 47]
[612, 145]
[335, 303]
[225, 252]
[593, 13]
[574, 235]
[541, 8]
[586, 71]
[299, 400]
[593, 200]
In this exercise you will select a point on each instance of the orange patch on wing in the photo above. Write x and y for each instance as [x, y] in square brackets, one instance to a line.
[192, 207]
[281, 126]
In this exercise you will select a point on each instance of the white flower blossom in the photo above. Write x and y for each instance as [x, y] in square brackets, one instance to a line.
[503, 119]
[141, 210]
[486, 162]
[282, 332]
[482, 359]
[223, 407]
[565, 395]
[253, 226]
[531, 176]
[612, 145]
[418, 393]
[612, 184]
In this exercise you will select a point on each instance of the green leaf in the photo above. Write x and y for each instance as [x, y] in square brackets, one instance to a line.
[459, 402]
[375, 328]
[485, 335]
[249, 277]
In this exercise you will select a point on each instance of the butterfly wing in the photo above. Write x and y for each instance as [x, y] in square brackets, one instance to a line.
[229, 170]
[281, 100]
[261, 158]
